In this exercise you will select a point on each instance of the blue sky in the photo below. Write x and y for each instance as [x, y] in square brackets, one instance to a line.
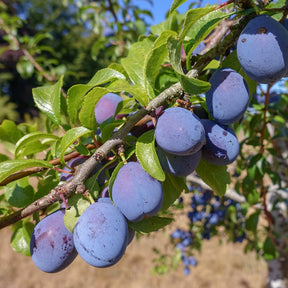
[160, 7]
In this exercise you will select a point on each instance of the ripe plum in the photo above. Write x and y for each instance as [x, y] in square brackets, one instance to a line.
[106, 107]
[52, 247]
[262, 49]
[136, 193]
[222, 146]
[179, 131]
[228, 97]
[101, 234]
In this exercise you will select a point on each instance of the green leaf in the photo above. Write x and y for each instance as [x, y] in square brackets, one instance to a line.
[105, 75]
[198, 30]
[196, 15]
[170, 23]
[3, 157]
[32, 149]
[216, 177]
[190, 85]
[269, 250]
[86, 115]
[113, 177]
[9, 132]
[137, 91]
[32, 137]
[173, 187]
[134, 63]
[109, 128]
[82, 149]
[25, 68]
[20, 240]
[78, 205]
[75, 99]
[252, 222]
[150, 224]
[48, 182]
[19, 193]
[11, 166]
[155, 59]
[119, 68]
[48, 100]
[70, 137]
[175, 5]
[92, 186]
[147, 156]
[252, 196]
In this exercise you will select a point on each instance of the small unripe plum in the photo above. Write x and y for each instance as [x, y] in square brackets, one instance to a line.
[262, 49]
[222, 146]
[179, 131]
[106, 107]
[101, 234]
[52, 247]
[228, 97]
[136, 193]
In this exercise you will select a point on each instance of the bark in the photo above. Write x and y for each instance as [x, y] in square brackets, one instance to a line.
[277, 201]
[278, 268]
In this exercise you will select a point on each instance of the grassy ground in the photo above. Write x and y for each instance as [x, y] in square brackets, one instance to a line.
[218, 267]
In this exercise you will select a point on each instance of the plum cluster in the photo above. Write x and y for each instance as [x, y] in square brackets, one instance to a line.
[101, 234]
[205, 139]
[207, 212]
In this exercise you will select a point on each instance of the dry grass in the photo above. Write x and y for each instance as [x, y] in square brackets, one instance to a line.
[219, 266]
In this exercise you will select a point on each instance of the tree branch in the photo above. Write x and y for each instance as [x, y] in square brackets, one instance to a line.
[170, 94]
[34, 170]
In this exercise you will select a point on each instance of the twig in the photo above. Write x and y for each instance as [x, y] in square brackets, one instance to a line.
[230, 193]
[111, 9]
[33, 170]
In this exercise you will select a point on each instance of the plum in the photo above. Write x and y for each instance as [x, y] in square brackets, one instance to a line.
[262, 49]
[52, 246]
[179, 131]
[136, 193]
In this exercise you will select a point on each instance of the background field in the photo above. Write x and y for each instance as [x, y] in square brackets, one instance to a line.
[218, 267]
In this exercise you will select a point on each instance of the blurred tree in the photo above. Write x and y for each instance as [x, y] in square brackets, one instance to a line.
[41, 40]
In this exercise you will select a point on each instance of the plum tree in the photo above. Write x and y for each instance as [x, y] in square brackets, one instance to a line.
[52, 246]
[136, 193]
[178, 131]
[147, 166]
[101, 234]
[228, 97]
[222, 146]
[106, 107]
[262, 49]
